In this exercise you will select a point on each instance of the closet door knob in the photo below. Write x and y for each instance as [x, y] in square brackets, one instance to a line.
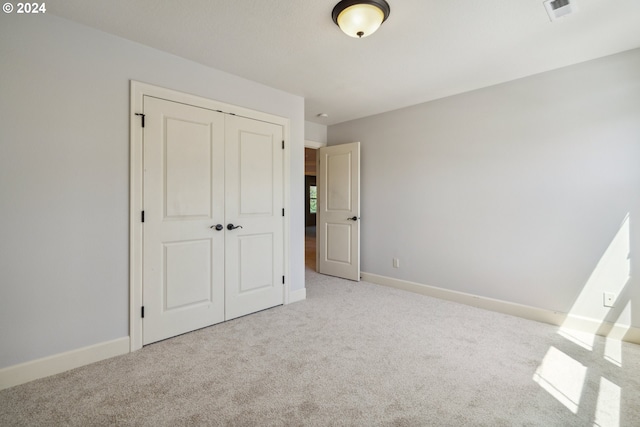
[217, 227]
[233, 227]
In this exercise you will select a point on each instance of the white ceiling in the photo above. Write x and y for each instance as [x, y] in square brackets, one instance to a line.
[427, 49]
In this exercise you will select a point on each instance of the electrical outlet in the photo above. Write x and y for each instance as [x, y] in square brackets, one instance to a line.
[396, 263]
[609, 299]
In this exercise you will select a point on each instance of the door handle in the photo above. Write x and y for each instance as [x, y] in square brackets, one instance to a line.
[353, 218]
[217, 227]
[233, 227]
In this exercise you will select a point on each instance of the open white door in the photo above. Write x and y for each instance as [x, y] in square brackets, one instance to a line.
[339, 211]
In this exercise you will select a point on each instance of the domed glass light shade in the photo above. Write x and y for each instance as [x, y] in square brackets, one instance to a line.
[360, 18]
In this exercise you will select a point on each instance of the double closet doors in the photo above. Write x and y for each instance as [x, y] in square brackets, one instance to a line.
[213, 229]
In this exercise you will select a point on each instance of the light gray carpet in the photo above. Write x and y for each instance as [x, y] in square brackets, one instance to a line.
[352, 354]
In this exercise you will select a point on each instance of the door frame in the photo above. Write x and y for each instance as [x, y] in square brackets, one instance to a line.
[138, 91]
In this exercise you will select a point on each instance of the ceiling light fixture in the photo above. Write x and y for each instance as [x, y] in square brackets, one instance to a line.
[360, 18]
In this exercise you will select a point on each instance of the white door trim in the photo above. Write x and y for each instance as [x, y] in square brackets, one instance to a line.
[314, 144]
[137, 92]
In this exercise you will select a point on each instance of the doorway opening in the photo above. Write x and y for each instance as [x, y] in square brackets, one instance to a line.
[311, 200]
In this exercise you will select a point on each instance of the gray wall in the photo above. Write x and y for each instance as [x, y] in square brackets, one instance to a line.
[513, 192]
[64, 177]
[315, 132]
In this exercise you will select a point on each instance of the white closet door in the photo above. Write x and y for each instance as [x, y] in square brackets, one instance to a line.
[254, 204]
[183, 257]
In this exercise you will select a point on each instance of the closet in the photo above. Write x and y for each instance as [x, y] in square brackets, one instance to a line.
[212, 235]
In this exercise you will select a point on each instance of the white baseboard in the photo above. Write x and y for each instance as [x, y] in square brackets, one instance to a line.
[51, 365]
[297, 295]
[606, 329]
[626, 333]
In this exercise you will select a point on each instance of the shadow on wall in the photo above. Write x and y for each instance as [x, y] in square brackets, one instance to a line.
[566, 374]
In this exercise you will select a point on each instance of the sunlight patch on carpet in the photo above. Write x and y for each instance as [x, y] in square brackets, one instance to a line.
[608, 406]
[562, 377]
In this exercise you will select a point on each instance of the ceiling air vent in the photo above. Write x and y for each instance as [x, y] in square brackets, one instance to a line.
[560, 8]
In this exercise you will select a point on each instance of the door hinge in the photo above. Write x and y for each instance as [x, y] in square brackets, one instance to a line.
[283, 280]
[283, 144]
[142, 216]
[142, 311]
[282, 211]
[142, 116]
